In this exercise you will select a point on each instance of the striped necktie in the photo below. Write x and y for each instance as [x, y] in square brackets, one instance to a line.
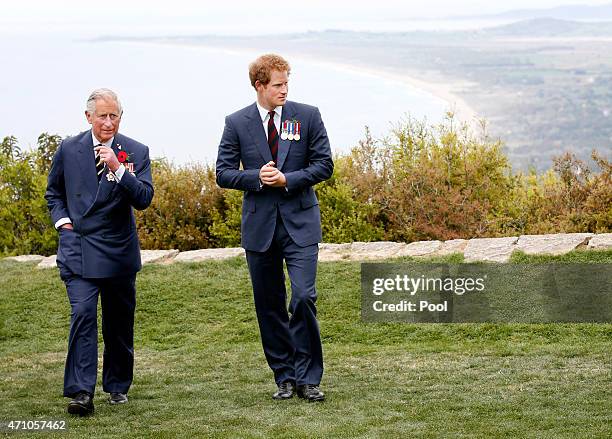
[99, 163]
[272, 136]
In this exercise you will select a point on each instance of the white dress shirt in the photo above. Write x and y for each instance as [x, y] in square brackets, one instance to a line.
[265, 117]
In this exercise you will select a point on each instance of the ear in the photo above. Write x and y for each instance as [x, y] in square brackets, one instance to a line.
[89, 117]
[258, 85]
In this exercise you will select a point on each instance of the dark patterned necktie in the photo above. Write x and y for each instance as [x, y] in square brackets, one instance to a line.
[99, 163]
[272, 136]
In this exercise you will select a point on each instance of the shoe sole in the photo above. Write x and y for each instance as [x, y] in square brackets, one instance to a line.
[77, 409]
[117, 402]
[280, 398]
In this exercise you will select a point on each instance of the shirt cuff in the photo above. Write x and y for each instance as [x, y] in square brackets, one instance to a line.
[60, 222]
[119, 172]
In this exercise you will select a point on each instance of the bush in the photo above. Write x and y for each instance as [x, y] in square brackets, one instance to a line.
[226, 218]
[568, 198]
[349, 200]
[420, 182]
[181, 212]
[445, 182]
[25, 226]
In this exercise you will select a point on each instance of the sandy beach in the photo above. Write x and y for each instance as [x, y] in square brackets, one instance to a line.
[439, 88]
[445, 91]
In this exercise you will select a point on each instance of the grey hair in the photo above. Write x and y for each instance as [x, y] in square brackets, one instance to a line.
[102, 93]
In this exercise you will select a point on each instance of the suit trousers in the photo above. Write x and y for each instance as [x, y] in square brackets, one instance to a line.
[291, 343]
[118, 304]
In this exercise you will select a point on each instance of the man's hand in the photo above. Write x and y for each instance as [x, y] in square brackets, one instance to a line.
[108, 156]
[66, 226]
[270, 176]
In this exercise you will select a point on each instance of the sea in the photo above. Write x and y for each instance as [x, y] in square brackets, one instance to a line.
[175, 98]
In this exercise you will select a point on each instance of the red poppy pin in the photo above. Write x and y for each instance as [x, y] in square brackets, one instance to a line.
[124, 159]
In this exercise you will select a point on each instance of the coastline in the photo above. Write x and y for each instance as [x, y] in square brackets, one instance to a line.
[441, 89]
[444, 91]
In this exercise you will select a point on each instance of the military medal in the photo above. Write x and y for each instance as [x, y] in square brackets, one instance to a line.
[129, 167]
[297, 136]
[284, 134]
[291, 128]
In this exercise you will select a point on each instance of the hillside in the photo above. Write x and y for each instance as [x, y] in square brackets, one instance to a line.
[544, 85]
[565, 12]
[551, 28]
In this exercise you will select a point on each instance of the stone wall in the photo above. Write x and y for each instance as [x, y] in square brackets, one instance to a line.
[479, 249]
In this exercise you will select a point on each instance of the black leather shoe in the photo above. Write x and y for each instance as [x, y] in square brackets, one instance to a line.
[285, 390]
[310, 392]
[81, 404]
[117, 398]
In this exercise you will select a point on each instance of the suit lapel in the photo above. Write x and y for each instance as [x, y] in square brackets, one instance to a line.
[255, 127]
[284, 145]
[87, 165]
[105, 186]
[115, 145]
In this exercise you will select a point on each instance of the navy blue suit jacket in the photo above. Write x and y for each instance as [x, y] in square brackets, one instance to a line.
[104, 242]
[305, 163]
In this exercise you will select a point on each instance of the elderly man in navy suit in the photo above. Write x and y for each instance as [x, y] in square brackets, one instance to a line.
[284, 151]
[96, 179]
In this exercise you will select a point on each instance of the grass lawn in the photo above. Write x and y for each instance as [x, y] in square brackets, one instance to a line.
[200, 369]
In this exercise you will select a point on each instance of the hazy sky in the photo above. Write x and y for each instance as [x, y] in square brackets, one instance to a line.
[227, 8]
[227, 15]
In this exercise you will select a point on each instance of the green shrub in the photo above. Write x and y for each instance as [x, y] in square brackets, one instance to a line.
[180, 214]
[444, 182]
[226, 218]
[25, 226]
[420, 182]
[568, 198]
